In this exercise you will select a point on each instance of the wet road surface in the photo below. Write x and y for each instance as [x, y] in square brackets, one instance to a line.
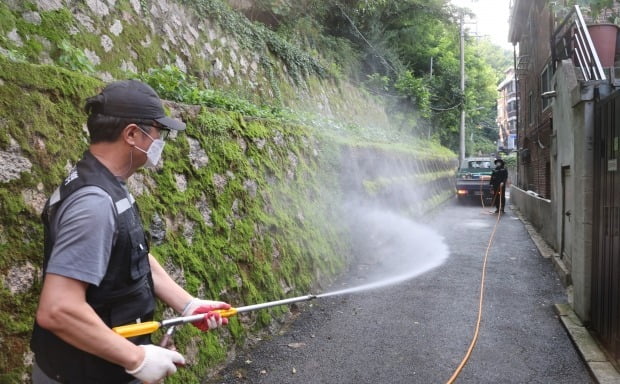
[418, 331]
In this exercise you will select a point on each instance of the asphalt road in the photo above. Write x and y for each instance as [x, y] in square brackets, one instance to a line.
[419, 330]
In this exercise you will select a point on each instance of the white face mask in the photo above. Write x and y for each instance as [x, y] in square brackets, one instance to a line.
[153, 154]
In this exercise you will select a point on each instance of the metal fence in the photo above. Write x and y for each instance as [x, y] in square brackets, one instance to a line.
[605, 311]
[572, 40]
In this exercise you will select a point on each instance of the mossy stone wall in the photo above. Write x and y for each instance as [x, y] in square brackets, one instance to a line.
[238, 211]
[246, 210]
[115, 39]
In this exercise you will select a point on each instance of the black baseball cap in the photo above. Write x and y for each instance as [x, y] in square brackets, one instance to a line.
[132, 99]
[499, 161]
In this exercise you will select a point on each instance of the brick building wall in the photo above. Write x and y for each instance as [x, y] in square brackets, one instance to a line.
[531, 28]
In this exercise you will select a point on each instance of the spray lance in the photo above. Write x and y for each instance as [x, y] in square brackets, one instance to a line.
[147, 327]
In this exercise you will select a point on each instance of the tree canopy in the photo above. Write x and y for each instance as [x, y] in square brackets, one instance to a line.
[407, 51]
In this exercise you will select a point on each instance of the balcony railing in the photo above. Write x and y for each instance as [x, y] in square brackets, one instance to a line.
[571, 40]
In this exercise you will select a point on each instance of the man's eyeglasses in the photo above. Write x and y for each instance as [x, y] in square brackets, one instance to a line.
[163, 132]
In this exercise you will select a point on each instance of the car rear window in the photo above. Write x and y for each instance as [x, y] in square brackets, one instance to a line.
[477, 166]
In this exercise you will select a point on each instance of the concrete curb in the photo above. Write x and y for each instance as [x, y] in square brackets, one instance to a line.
[602, 370]
[593, 356]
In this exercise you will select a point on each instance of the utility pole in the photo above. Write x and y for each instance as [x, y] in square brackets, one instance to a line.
[431, 67]
[462, 130]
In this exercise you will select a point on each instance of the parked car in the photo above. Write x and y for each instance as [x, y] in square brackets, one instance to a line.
[473, 178]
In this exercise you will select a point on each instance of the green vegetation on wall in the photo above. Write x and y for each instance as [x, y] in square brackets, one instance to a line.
[58, 36]
[38, 109]
[263, 184]
[287, 53]
[256, 37]
[257, 220]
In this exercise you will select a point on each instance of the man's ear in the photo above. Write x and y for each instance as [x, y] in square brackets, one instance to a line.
[129, 134]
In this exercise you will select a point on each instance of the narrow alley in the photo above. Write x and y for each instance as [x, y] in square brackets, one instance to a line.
[419, 331]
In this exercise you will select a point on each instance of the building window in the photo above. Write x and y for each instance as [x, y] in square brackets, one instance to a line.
[546, 85]
[512, 106]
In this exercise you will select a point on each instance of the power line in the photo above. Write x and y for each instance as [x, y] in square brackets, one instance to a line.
[376, 52]
[386, 63]
[448, 108]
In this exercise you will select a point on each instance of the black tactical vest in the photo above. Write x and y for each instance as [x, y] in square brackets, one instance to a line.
[124, 295]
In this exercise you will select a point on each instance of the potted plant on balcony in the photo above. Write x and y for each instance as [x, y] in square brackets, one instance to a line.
[602, 17]
[602, 11]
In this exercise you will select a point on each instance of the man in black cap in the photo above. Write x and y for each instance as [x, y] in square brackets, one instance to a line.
[498, 181]
[98, 272]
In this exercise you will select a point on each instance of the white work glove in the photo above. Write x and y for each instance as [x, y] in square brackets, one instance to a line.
[157, 364]
[211, 320]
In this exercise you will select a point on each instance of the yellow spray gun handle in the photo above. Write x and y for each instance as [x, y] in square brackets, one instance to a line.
[227, 312]
[138, 329]
[132, 330]
[147, 327]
